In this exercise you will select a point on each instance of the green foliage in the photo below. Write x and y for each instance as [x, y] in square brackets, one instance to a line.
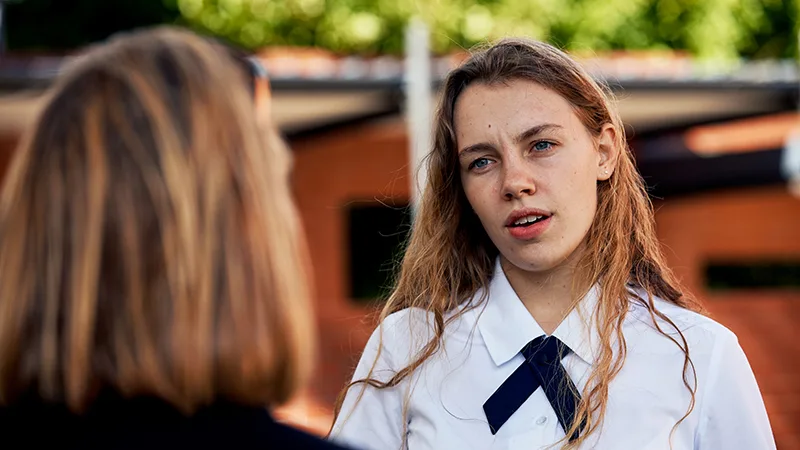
[706, 28]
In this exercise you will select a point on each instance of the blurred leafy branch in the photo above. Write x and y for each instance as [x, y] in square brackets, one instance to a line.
[706, 28]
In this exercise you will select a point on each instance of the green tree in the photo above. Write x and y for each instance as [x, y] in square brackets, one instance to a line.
[706, 28]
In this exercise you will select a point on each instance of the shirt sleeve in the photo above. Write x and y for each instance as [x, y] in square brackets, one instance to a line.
[372, 418]
[733, 415]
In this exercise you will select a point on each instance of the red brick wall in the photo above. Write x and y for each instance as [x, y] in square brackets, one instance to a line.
[742, 225]
[361, 163]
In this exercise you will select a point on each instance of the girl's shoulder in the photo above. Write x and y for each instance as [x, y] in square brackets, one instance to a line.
[406, 333]
[703, 334]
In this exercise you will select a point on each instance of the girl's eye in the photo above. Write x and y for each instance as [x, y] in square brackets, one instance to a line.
[542, 146]
[479, 163]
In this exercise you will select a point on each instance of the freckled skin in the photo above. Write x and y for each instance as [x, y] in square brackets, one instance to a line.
[556, 171]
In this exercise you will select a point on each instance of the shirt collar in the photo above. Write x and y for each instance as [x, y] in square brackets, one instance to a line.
[506, 325]
[579, 329]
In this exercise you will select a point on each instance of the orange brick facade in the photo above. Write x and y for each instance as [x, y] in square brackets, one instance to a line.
[357, 164]
[746, 225]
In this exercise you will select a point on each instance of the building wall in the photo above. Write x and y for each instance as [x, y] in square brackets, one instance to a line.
[366, 164]
[746, 225]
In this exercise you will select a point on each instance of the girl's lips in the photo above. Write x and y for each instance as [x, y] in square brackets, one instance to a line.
[529, 231]
[518, 214]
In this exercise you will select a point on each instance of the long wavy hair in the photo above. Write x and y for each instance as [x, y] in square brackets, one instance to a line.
[148, 241]
[622, 247]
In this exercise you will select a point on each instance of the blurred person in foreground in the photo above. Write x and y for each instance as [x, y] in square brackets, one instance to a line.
[152, 272]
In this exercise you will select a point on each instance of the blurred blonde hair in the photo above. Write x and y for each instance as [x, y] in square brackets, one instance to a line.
[148, 241]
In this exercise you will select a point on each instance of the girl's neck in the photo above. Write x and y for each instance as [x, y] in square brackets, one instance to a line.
[548, 296]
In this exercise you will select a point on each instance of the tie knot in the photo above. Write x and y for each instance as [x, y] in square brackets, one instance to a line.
[545, 350]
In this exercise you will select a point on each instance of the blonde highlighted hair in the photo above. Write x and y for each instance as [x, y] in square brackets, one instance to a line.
[148, 242]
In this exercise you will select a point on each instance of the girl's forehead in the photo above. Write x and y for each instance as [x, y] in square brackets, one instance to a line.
[509, 108]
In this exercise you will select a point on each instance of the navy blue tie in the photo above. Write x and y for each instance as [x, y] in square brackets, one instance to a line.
[542, 367]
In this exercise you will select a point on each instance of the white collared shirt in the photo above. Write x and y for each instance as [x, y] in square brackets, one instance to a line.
[481, 349]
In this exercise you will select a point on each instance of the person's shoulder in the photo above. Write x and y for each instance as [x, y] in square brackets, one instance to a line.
[684, 319]
[407, 332]
[285, 436]
[701, 332]
[403, 333]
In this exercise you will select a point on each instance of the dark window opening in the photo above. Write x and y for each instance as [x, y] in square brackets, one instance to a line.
[753, 275]
[377, 235]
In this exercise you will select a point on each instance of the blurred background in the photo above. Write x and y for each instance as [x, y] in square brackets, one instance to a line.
[708, 89]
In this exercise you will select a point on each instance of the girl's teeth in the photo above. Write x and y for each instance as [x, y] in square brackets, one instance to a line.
[527, 219]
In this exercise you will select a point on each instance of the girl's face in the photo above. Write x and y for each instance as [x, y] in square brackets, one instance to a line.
[529, 169]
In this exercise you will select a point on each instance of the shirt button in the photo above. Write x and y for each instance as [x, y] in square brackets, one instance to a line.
[541, 420]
